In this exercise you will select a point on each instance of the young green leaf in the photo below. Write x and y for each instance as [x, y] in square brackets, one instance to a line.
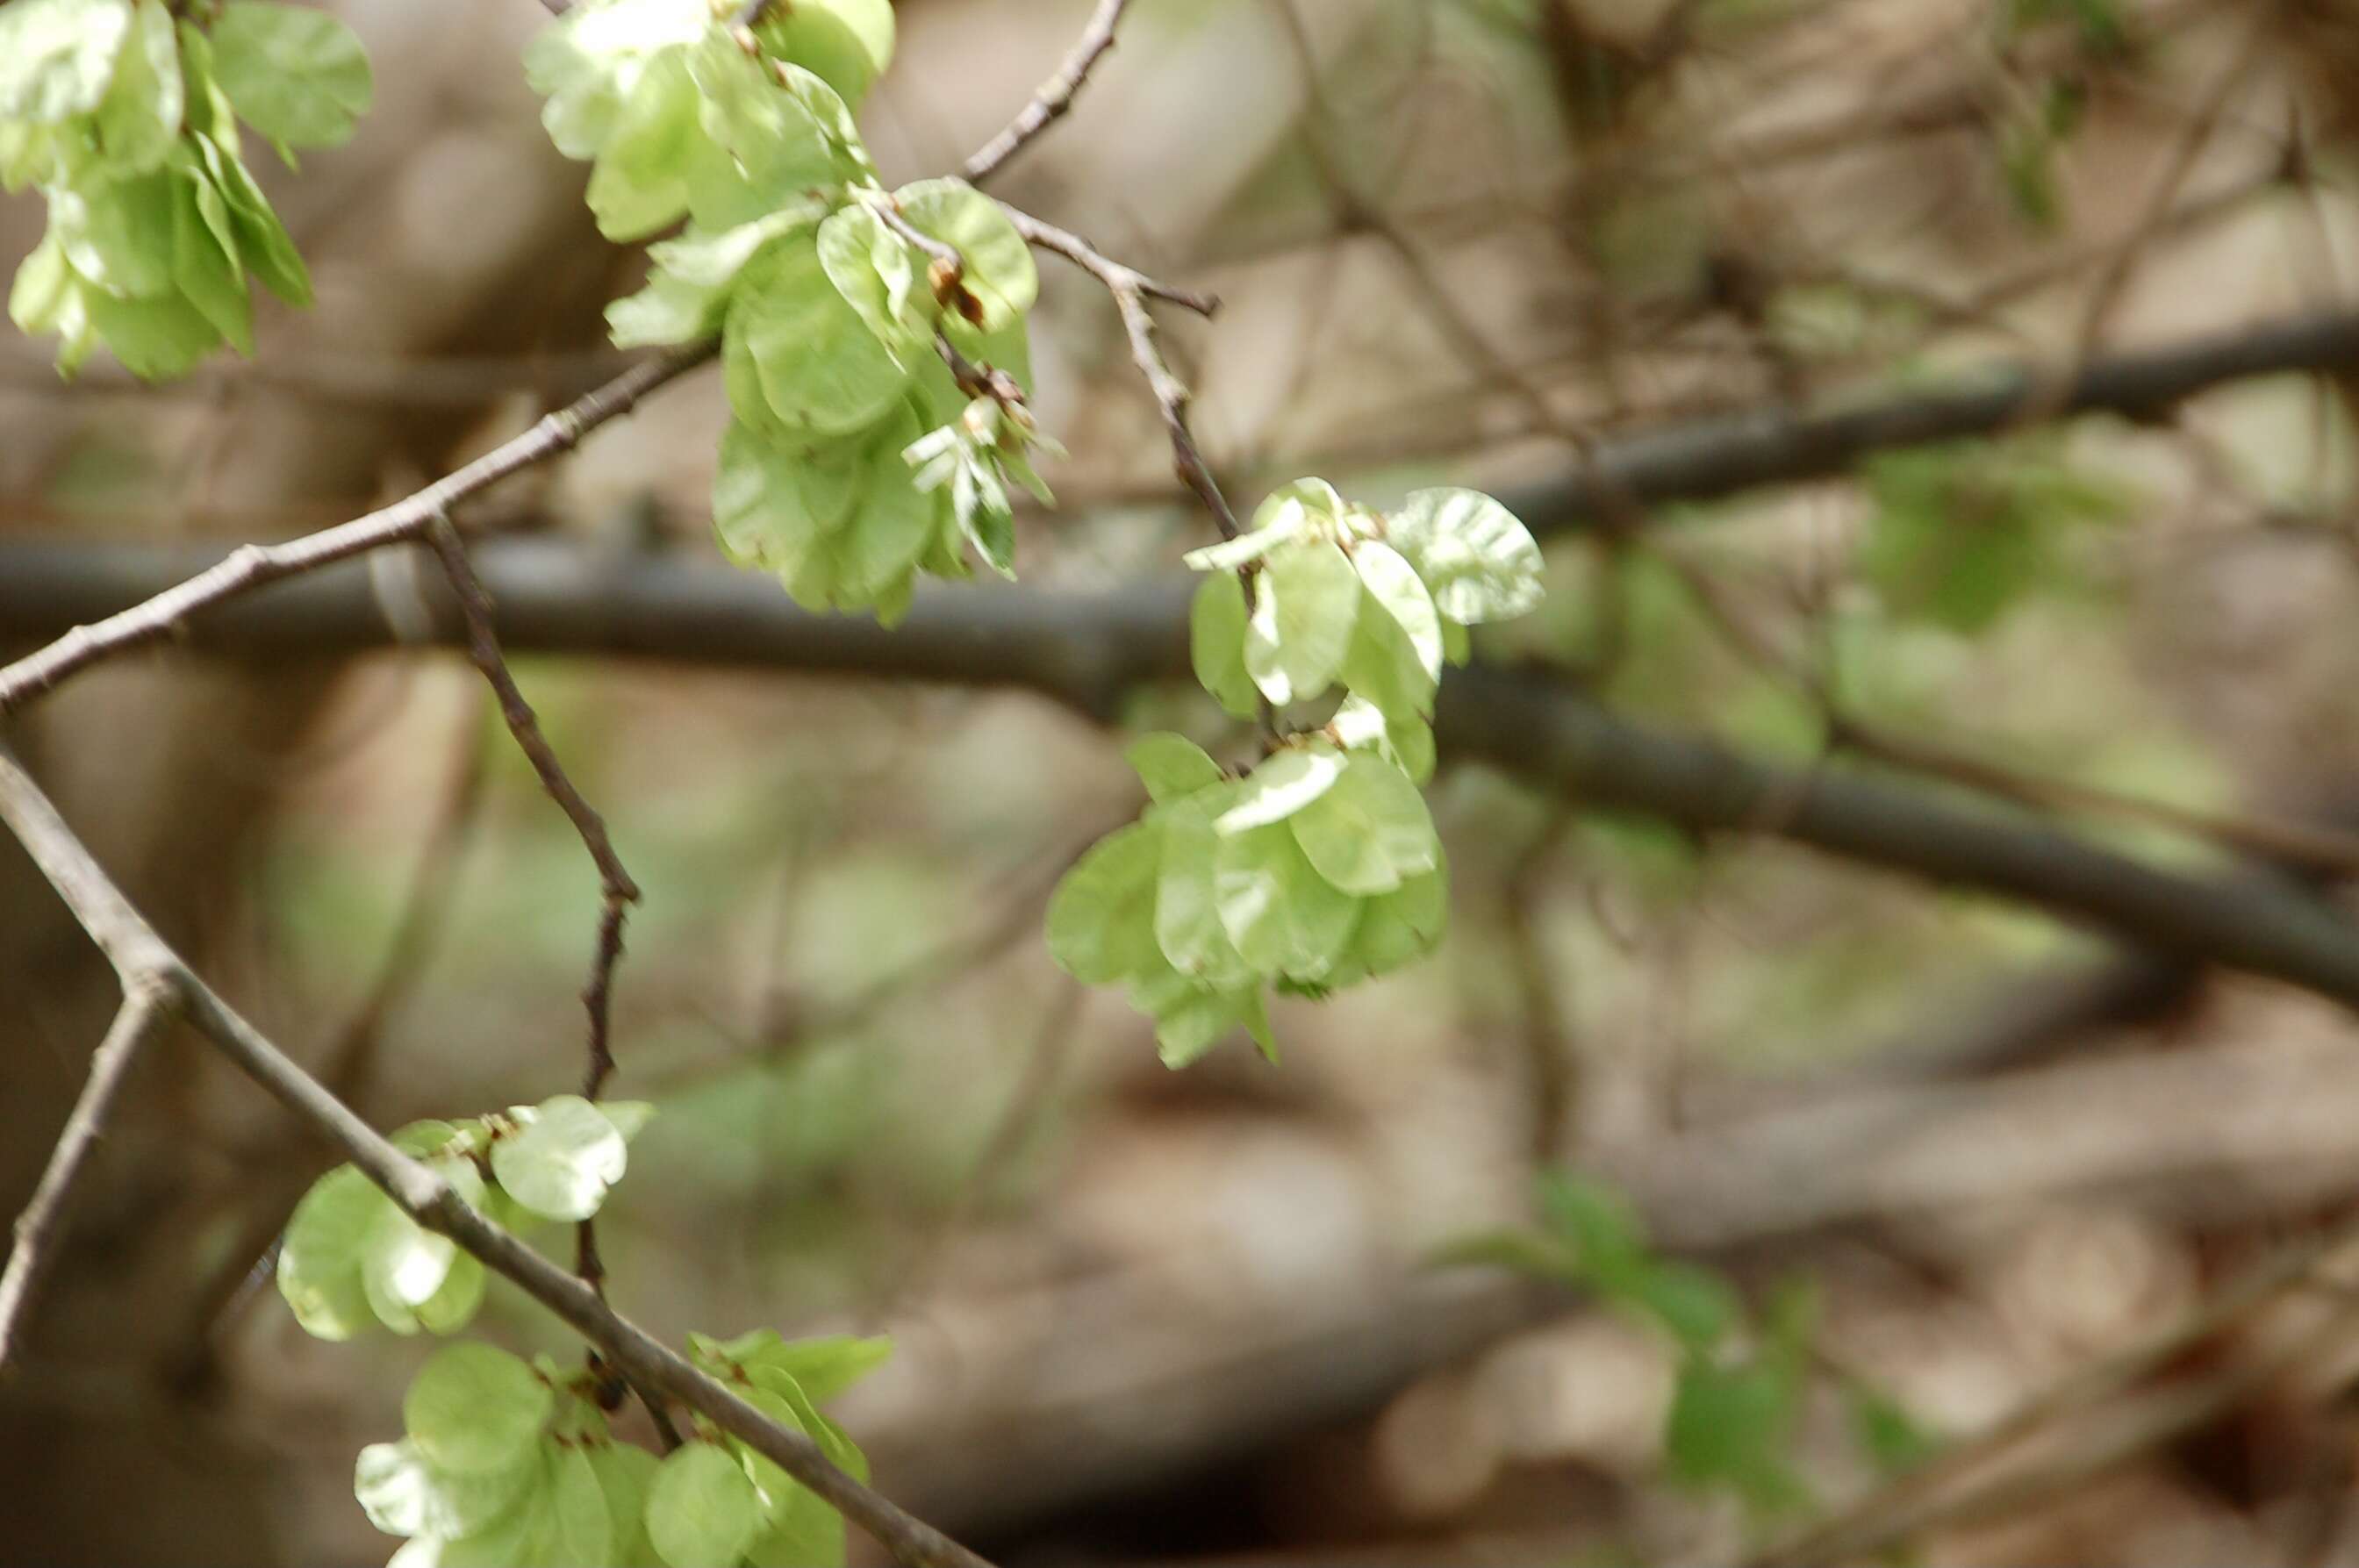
[1479, 562]
[1402, 597]
[894, 522]
[1396, 928]
[1189, 1020]
[1285, 918]
[782, 132]
[816, 366]
[1280, 786]
[1102, 917]
[774, 501]
[1729, 1426]
[640, 182]
[701, 1508]
[138, 121]
[998, 282]
[1696, 1305]
[117, 234]
[299, 76]
[590, 60]
[454, 1306]
[821, 1367]
[846, 43]
[319, 1260]
[392, 1482]
[474, 1409]
[1216, 645]
[1302, 504]
[624, 1473]
[1598, 1223]
[205, 262]
[581, 1523]
[1406, 738]
[875, 270]
[563, 1158]
[1171, 766]
[403, 1494]
[57, 56]
[1371, 831]
[262, 241]
[1306, 602]
[1188, 924]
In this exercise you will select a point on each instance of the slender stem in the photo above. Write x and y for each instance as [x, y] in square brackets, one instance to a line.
[253, 565]
[1054, 100]
[39, 1230]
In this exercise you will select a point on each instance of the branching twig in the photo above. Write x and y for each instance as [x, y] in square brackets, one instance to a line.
[253, 565]
[41, 1227]
[152, 971]
[1055, 98]
[617, 890]
[1131, 290]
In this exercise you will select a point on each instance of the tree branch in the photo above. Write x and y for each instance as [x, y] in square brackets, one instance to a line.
[41, 1227]
[1088, 650]
[152, 969]
[1054, 100]
[1708, 459]
[253, 565]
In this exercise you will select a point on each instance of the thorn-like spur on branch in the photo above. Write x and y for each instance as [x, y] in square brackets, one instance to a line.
[151, 967]
[1054, 100]
[40, 1228]
[254, 565]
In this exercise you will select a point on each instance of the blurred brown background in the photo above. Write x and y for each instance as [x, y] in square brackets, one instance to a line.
[1146, 1317]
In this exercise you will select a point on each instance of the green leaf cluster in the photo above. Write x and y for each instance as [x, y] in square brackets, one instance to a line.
[1959, 535]
[856, 459]
[507, 1463]
[1741, 1386]
[1342, 595]
[717, 1501]
[351, 1255]
[127, 120]
[1319, 868]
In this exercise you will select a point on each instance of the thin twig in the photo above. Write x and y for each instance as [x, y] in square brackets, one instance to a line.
[617, 890]
[1906, 1504]
[41, 1227]
[1131, 290]
[1054, 100]
[251, 566]
[150, 969]
[2155, 212]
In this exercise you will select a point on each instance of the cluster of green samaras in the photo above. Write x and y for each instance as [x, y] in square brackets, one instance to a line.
[126, 119]
[350, 1255]
[510, 1463]
[856, 459]
[1321, 866]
